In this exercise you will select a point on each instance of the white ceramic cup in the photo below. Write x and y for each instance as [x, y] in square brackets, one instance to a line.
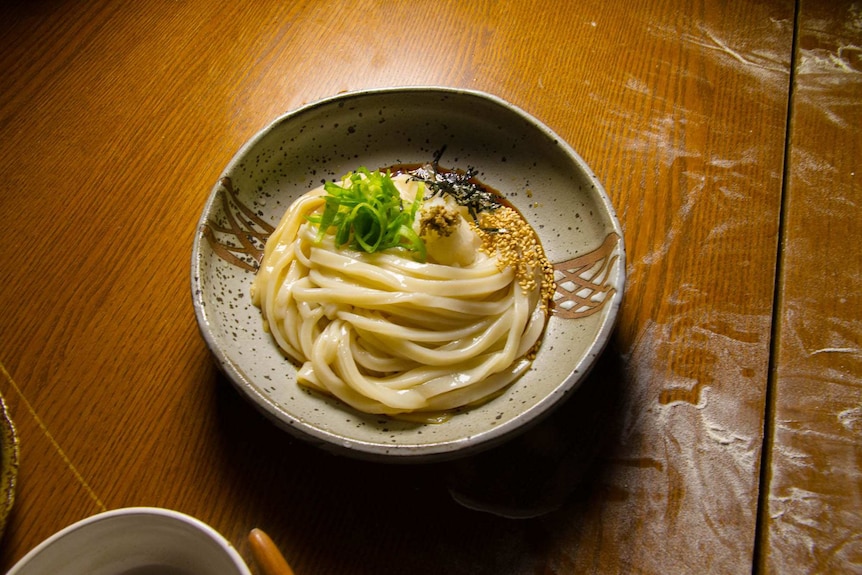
[134, 541]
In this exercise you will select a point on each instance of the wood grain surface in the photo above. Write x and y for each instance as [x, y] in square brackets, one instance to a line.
[730, 162]
[813, 515]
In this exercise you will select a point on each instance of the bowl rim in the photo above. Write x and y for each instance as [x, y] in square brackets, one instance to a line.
[426, 452]
[9, 454]
[171, 514]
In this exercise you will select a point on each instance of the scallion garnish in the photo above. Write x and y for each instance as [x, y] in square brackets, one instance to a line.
[368, 214]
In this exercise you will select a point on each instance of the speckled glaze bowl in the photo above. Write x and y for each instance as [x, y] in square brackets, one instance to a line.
[513, 152]
[8, 464]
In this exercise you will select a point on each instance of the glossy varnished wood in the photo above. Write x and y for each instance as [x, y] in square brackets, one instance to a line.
[813, 514]
[117, 118]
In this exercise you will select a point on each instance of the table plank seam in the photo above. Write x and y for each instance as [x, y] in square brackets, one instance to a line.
[761, 527]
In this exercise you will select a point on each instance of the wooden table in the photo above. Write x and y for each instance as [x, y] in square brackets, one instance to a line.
[720, 432]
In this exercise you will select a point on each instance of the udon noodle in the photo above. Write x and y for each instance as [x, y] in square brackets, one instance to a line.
[396, 332]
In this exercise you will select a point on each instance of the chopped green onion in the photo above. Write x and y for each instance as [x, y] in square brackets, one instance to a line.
[369, 215]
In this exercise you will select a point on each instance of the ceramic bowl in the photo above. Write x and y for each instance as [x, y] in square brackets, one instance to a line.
[134, 541]
[8, 464]
[514, 153]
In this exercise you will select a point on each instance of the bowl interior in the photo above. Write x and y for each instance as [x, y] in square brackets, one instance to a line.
[134, 541]
[513, 153]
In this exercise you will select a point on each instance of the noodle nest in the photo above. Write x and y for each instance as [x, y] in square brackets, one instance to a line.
[387, 334]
